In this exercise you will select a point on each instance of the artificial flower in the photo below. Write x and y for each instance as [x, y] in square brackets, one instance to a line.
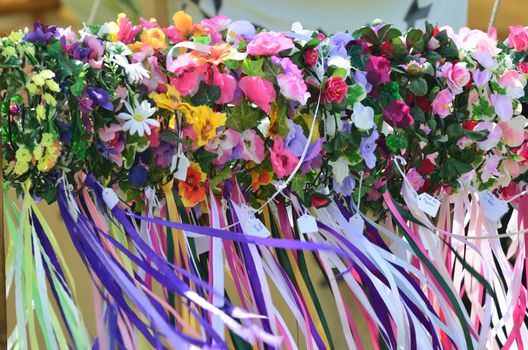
[283, 161]
[260, 178]
[250, 147]
[518, 38]
[204, 122]
[490, 166]
[191, 190]
[513, 131]
[415, 179]
[363, 116]
[346, 187]
[137, 175]
[442, 103]
[269, 44]
[259, 91]
[340, 169]
[398, 114]
[456, 75]
[295, 141]
[378, 70]
[154, 38]
[100, 97]
[223, 144]
[335, 90]
[367, 148]
[493, 138]
[137, 120]
[311, 56]
[134, 71]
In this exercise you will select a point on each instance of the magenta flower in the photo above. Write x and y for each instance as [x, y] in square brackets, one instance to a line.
[398, 114]
[269, 44]
[518, 38]
[127, 32]
[442, 103]
[283, 161]
[378, 70]
[259, 91]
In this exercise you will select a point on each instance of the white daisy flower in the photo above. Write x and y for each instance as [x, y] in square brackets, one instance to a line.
[137, 120]
[135, 71]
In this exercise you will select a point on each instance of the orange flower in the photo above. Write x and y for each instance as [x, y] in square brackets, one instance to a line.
[183, 22]
[190, 190]
[260, 178]
[155, 38]
[218, 54]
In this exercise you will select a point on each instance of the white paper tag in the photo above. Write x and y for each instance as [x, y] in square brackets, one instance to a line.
[357, 223]
[180, 163]
[255, 227]
[202, 244]
[428, 204]
[494, 208]
[307, 224]
[110, 198]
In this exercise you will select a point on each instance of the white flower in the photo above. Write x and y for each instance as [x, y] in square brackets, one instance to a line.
[363, 116]
[135, 71]
[340, 62]
[137, 120]
[340, 169]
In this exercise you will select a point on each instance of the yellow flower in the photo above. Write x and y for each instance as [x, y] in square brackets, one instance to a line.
[32, 89]
[22, 154]
[49, 159]
[9, 51]
[204, 122]
[169, 100]
[21, 167]
[47, 139]
[39, 79]
[49, 99]
[183, 22]
[52, 85]
[308, 121]
[155, 38]
[41, 113]
[16, 36]
[190, 190]
[38, 152]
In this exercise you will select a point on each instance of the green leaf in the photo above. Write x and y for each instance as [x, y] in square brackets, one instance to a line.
[203, 39]
[204, 158]
[206, 95]
[242, 117]
[413, 36]
[253, 67]
[356, 93]
[129, 154]
[483, 110]
[477, 135]
[297, 185]
[77, 87]
[418, 86]
[221, 176]
[50, 195]
[395, 142]
[461, 167]
[368, 34]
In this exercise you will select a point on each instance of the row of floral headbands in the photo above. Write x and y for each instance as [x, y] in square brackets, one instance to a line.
[161, 144]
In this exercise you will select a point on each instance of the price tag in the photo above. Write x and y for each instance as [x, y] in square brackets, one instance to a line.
[494, 208]
[307, 224]
[357, 223]
[428, 204]
[180, 163]
[110, 198]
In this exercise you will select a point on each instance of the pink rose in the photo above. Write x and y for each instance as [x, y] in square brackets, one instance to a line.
[283, 161]
[518, 38]
[378, 70]
[259, 91]
[523, 67]
[442, 103]
[457, 76]
[310, 57]
[513, 131]
[293, 87]
[269, 44]
[335, 90]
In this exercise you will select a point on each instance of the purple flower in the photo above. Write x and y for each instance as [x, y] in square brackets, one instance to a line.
[40, 33]
[100, 97]
[339, 41]
[346, 187]
[361, 78]
[295, 141]
[137, 175]
[368, 147]
[163, 154]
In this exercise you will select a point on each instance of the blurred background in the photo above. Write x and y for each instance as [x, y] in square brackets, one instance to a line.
[329, 15]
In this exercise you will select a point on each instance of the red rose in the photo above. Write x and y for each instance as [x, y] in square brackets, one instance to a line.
[423, 103]
[469, 124]
[335, 90]
[427, 167]
[310, 57]
[321, 36]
